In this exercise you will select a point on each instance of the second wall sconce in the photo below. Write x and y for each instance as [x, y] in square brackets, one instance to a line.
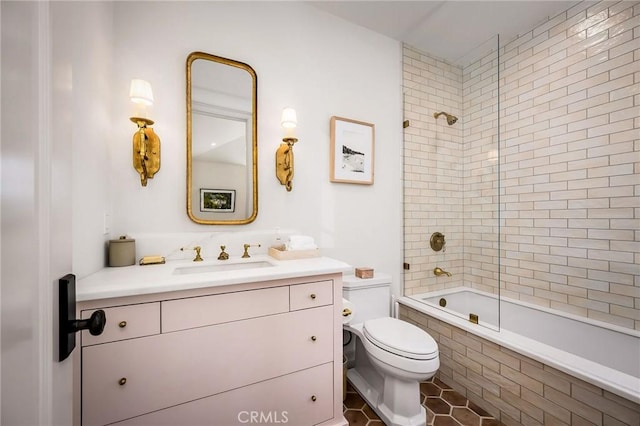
[146, 144]
[284, 154]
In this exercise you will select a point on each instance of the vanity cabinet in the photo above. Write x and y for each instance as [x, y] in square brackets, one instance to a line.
[263, 352]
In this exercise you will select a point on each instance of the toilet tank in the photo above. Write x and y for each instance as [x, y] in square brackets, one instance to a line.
[371, 297]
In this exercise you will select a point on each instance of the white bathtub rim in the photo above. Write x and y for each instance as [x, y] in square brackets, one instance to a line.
[616, 382]
[591, 321]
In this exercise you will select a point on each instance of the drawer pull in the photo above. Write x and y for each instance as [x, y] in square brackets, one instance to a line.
[122, 324]
[313, 398]
[122, 381]
[313, 296]
[314, 338]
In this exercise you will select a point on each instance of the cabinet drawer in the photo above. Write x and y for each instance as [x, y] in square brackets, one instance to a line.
[193, 312]
[311, 295]
[301, 398]
[187, 365]
[125, 322]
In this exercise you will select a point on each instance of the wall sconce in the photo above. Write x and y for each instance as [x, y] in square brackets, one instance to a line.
[284, 154]
[146, 144]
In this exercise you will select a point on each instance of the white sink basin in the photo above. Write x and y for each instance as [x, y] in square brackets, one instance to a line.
[222, 266]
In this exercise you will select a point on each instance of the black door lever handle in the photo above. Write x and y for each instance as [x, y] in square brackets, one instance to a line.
[68, 324]
[95, 323]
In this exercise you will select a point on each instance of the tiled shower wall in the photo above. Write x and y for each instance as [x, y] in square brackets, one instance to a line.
[569, 166]
[433, 171]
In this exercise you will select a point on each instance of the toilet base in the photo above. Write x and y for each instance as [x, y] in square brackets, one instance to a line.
[396, 402]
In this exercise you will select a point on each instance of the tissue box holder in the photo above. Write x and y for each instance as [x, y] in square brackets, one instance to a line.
[364, 272]
[279, 252]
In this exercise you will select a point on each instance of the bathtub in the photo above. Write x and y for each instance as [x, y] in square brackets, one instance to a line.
[598, 353]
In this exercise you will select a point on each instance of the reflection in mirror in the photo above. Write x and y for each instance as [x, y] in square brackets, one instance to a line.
[222, 180]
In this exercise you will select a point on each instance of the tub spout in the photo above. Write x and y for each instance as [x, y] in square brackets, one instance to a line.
[438, 271]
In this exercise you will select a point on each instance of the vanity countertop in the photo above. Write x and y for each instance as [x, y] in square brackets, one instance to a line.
[138, 280]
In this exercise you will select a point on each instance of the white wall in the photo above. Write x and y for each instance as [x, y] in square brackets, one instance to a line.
[319, 64]
[89, 82]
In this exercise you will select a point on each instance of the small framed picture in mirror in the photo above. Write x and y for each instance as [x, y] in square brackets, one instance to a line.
[217, 200]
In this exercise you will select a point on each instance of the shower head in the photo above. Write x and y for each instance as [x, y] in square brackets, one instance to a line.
[451, 119]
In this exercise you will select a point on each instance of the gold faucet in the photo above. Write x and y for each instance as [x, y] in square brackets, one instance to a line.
[438, 271]
[223, 255]
[198, 258]
[246, 249]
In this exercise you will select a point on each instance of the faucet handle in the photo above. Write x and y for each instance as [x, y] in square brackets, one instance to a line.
[246, 249]
[198, 258]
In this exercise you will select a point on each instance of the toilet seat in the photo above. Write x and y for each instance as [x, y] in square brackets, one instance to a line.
[400, 338]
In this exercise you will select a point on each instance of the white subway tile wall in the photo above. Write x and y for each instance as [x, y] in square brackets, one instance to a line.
[433, 188]
[569, 166]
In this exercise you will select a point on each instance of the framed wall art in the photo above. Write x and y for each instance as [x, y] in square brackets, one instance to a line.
[352, 151]
[217, 200]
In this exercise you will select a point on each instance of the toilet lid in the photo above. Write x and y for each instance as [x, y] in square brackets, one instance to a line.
[401, 338]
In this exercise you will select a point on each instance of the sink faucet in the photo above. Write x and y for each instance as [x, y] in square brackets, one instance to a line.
[223, 255]
[438, 271]
[246, 249]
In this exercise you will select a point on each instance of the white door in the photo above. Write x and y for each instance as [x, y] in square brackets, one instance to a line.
[35, 217]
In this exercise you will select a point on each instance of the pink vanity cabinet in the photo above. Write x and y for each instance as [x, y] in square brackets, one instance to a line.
[253, 353]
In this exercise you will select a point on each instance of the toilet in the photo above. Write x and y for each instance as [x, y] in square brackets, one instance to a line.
[387, 357]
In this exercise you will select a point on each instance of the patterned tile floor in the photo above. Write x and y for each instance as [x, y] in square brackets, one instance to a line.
[445, 407]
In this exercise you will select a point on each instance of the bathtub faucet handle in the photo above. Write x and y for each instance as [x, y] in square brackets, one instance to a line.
[439, 271]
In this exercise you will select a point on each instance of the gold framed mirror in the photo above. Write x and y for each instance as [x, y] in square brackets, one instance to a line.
[222, 142]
